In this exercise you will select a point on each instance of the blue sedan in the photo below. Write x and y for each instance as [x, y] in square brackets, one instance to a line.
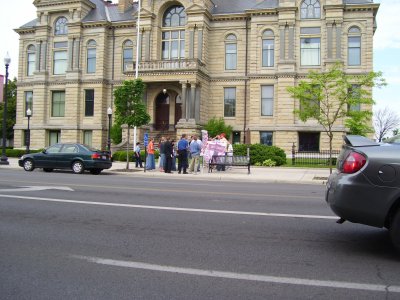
[77, 157]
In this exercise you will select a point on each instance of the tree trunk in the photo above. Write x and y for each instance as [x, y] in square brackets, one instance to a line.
[330, 153]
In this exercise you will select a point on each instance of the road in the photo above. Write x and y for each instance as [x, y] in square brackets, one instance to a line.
[67, 236]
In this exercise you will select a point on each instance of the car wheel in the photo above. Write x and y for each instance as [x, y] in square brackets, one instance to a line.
[77, 167]
[47, 170]
[95, 171]
[28, 165]
[395, 230]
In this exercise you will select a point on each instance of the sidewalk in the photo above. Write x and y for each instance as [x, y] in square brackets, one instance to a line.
[258, 174]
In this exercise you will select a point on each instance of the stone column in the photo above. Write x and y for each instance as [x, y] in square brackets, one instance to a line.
[71, 53]
[200, 44]
[38, 56]
[184, 91]
[192, 100]
[283, 44]
[43, 56]
[77, 43]
[329, 40]
[291, 42]
[191, 43]
[339, 41]
[147, 45]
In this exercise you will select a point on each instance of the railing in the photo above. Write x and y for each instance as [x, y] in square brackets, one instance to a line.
[320, 158]
[163, 65]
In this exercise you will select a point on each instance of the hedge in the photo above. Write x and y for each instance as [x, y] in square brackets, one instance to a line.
[121, 155]
[19, 152]
[259, 153]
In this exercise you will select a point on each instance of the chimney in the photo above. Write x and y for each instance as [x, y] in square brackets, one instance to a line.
[123, 5]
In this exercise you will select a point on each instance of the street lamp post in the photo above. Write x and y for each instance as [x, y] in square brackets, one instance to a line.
[28, 132]
[4, 159]
[109, 113]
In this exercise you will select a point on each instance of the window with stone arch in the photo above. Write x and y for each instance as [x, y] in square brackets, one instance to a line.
[127, 55]
[173, 33]
[31, 60]
[61, 26]
[230, 52]
[268, 46]
[310, 9]
[91, 57]
[354, 46]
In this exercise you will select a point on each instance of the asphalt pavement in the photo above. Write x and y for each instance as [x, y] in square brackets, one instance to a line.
[260, 174]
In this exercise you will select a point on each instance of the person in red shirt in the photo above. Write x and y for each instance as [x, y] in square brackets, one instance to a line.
[150, 160]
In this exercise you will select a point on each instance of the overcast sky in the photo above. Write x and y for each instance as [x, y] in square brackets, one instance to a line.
[386, 44]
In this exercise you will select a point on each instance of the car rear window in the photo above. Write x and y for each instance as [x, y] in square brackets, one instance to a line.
[393, 140]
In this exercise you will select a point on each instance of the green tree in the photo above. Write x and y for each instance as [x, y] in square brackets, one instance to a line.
[216, 126]
[11, 108]
[327, 97]
[116, 133]
[129, 106]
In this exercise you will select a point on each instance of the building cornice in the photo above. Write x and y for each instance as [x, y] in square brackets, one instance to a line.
[47, 3]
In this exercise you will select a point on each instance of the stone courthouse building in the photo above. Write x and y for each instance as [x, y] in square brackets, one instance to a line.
[199, 59]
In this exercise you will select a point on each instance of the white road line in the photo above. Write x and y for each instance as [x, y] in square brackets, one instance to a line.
[36, 188]
[232, 212]
[244, 276]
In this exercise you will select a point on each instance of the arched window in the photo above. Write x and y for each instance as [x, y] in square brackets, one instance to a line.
[31, 60]
[175, 16]
[91, 57]
[268, 45]
[173, 33]
[127, 50]
[61, 27]
[354, 46]
[230, 52]
[310, 9]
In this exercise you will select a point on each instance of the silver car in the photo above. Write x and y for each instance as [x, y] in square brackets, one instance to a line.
[365, 188]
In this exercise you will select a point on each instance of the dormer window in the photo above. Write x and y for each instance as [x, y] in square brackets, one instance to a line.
[310, 9]
[61, 27]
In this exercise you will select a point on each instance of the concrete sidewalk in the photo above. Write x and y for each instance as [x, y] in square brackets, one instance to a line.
[258, 174]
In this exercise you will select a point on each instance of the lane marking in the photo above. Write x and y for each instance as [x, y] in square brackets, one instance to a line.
[184, 209]
[36, 188]
[174, 190]
[244, 276]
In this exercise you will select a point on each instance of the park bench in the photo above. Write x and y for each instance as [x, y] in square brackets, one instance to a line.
[223, 161]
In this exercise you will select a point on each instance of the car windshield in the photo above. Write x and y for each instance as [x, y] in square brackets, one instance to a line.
[393, 140]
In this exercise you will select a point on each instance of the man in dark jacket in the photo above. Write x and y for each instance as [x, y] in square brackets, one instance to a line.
[182, 154]
[168, 155]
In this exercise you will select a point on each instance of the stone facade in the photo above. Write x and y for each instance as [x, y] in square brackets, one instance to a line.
[185, 91]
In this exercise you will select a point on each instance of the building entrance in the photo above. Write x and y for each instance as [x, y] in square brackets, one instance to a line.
[162, 112]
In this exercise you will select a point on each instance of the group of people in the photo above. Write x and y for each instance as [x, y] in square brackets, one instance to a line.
[185, 150]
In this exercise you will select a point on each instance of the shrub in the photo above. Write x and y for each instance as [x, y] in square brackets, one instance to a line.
[19, 152]
[269, 163]
[121, 155]
[259, 153]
